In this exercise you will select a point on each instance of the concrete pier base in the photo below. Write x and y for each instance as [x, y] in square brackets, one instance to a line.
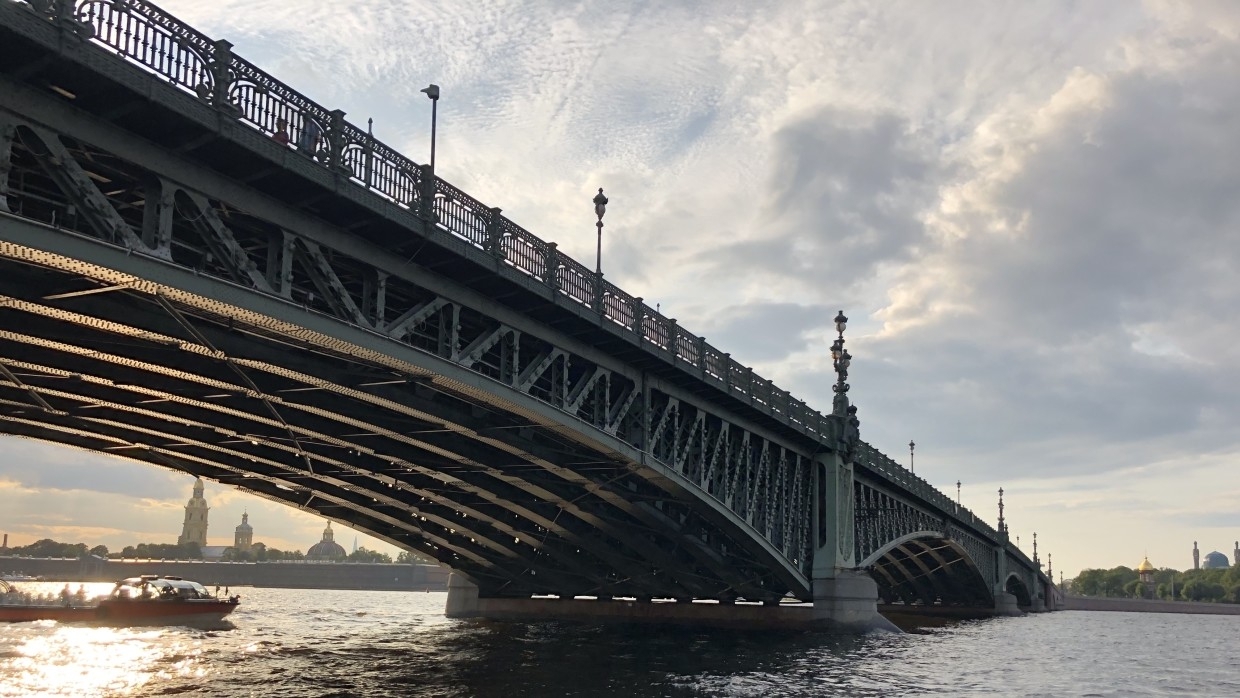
[848, 603]
[843, 614]
[1005, 605]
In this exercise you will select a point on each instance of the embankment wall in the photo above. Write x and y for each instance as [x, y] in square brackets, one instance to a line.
[1091, 603]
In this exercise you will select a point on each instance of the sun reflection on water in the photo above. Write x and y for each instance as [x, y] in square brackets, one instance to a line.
[66, 660]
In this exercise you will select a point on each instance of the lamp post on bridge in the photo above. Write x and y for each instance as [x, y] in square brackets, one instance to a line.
[1002, 525]
[957, 494]
[432, 91]
[911, 469]
[600, 207]
[1035, 550]
[840, 359]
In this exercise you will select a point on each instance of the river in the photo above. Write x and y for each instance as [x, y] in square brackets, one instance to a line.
[361, 643]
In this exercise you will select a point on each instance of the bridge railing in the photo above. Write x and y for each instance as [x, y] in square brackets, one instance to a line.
[893, 472]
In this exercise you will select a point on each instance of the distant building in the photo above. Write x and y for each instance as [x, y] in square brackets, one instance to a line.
[1215, 561]
[214, 553]
[194, 529]
[1145, 573]
[326, 549]
[243, 539]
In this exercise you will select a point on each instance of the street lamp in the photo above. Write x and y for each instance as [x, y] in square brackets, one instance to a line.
[432, 91]
[1002, 525]
[911, 469]
[957, 493]
[840, 359]
[600, 207]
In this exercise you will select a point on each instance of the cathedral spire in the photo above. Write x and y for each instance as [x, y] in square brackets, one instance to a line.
[194, 527]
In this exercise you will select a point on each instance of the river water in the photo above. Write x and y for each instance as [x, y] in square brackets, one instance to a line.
[357, 643]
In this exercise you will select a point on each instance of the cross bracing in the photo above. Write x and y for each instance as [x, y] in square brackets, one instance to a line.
[344, 331]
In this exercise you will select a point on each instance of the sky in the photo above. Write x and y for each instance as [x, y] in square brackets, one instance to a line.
[1028, 211]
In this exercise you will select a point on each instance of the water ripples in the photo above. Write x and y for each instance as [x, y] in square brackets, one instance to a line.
[346, 643]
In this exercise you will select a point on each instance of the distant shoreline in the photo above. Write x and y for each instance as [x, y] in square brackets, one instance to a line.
[325, 575]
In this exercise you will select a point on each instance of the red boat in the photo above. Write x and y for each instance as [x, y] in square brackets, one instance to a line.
[145, 600]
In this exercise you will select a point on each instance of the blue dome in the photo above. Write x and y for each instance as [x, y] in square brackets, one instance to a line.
[1215, 561]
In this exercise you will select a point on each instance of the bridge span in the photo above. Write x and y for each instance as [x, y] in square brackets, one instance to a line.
[335, 327]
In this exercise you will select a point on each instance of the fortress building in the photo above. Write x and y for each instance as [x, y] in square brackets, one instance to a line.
[243, 539]
[194, 529]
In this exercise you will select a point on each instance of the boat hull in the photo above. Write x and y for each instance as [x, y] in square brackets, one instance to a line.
[121, 612]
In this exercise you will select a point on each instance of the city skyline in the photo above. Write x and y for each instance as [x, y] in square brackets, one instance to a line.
[1031, 225]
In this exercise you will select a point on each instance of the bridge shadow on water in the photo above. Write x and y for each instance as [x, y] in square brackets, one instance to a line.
[504, 659]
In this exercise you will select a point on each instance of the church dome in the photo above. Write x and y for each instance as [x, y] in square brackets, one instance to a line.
[1145, 566]
[1215, 561]
[245, 523]
[326, 549]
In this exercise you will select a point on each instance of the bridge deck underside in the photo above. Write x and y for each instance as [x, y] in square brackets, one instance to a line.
[930, 572]
[505, 500]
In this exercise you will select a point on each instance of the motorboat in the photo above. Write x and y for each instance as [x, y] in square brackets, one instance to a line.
[18, 577]
[145, 600]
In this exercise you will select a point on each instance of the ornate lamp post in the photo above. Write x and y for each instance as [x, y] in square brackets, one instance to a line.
[600, 207]
[1035, 550]
[911, 469]
[1002, 525]
[957, 493]
[432, 91]
[840, 359]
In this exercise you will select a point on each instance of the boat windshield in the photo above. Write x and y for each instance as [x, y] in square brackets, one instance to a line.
[160, 588]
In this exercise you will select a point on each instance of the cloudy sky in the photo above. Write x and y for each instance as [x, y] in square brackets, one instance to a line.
[1028, 210]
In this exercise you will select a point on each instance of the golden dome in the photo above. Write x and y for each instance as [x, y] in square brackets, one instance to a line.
[1145, 566]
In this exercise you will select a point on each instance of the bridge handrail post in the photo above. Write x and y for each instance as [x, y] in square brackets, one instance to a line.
[639, 318]
[426, 196]
[221, 75]
[598, 294]
[335, 140]
[727, 371]
[701, 356]
[495, 233]
[551, 275]
[673, 338]
[64, 13]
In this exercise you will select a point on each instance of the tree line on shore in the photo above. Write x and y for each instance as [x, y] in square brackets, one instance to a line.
[1215, 585]
[191, 551]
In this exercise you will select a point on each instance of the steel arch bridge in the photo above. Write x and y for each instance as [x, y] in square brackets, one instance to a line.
[341, 330]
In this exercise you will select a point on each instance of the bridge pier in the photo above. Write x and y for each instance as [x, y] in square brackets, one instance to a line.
[847, 605]
[845, 599]
[1005, 604]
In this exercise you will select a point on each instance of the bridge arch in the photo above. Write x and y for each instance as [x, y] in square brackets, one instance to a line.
[926, 568]
[1016, 586]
